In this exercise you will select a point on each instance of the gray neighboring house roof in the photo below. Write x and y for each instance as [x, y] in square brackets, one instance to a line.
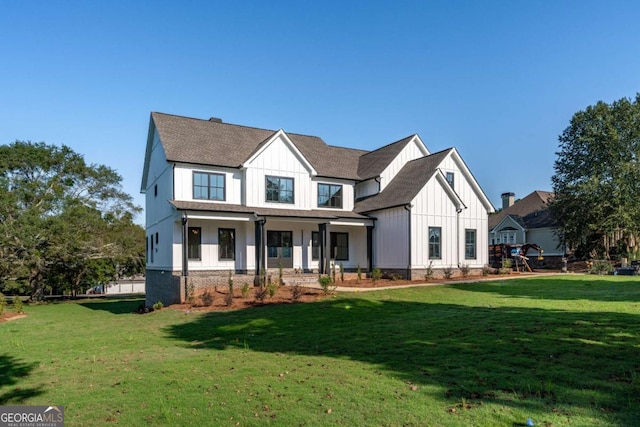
[530, 212]
[406, 184]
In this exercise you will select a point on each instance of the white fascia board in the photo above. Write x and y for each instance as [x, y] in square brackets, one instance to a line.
[147, 155]
[472, 181]
[290, 144]
[423, 148]
[457, 201]
[496, 229]
[217, 216]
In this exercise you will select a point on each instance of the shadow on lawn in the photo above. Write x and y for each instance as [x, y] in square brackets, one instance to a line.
[563, 288]
[119, 306]
[518, 356]
[11, 370]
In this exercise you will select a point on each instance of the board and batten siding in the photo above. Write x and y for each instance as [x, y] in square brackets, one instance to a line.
[413, 150]
[278, 159]
[367, 188]
[184, 183]
[391, 240]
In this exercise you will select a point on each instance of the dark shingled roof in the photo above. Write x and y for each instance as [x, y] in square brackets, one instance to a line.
[261, 211]
[530, 212]
[373, 163]
[406, 184]
[197, 141]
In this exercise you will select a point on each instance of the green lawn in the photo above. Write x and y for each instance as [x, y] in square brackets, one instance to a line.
[560, 350]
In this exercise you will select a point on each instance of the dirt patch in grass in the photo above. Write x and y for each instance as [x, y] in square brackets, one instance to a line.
[6, 317]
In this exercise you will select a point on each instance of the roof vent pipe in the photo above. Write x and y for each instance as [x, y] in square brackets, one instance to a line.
[215, 119]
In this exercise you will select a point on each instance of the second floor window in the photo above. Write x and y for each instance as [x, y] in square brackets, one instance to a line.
[279, 189]
[329, 196]
[208, 186]
[451, 179]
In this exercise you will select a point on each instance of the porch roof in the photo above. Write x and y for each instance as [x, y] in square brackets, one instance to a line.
[262, 211]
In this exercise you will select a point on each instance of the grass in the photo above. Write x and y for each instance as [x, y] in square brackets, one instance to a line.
[560, 350]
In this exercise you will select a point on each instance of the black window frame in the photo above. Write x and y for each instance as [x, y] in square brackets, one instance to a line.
[228, 247]
[194, 243]
[331, 200]
[473, 245]
[270, 192]
[209, 186]
[435, 248]
[451, 179]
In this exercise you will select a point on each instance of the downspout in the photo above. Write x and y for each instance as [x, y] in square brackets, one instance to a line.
[458, 211]
[409, 240]
[378, 179]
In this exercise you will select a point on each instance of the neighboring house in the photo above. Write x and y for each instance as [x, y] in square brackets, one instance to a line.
[227, 199]
[527, 221]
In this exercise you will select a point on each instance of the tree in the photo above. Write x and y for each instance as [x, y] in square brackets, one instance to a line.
[597, 180]
[59, 215]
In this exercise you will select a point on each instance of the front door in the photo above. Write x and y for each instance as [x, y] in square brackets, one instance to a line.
[279, 249]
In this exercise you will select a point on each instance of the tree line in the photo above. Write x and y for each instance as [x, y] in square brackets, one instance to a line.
[65, 225]
[597, 181]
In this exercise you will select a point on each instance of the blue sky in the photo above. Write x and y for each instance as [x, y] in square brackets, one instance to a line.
[499, 80]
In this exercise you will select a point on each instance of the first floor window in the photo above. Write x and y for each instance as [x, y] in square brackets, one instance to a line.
[329, 196]
[194, 243]
[470, 244]
[340, 246]
[279, 189]
[435, 242]
[226, 244]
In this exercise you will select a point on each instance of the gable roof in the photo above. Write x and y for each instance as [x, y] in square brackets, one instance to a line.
[406, 184]
[197, 141]
[531, 211]
[373, 163]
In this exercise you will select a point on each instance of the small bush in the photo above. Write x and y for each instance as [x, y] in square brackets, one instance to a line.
[271, 289]
[600, 267]
[376, 274]
[245, 290]
[486, 270]
[228, 297]
[506, 266]
[296, 292]
[447, 272]
[464, 270]
[191, 294]
[429, 273]
[18, 306]
[341, 272]
[207, 298]
[325, 284]
[3, 303]
[261, 293]
[359, 273]
[158, 305]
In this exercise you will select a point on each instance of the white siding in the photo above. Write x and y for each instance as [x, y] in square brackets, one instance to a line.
[412, 151]
[367, 188]
[184, 183]
[391, 245]
[278, 159]
[347, 193]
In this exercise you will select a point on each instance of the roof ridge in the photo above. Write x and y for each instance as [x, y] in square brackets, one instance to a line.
[391, 143]
[221, 123]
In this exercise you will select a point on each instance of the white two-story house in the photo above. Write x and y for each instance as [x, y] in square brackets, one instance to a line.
[226, 198]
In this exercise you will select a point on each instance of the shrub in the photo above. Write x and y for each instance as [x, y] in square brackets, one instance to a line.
[429, 273]
[486, 270]
[261, 293]
[600, 267]
[245, 290]
[341, 272]
[228, 297]
[506, 266]
[158, 305]
[271, 289]
[207, 298]
[296, 292]
[447, 272]
[376, 274]
[359, 273]
[191, 294]
[325, 284]
[3, 303]
[464, 270]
